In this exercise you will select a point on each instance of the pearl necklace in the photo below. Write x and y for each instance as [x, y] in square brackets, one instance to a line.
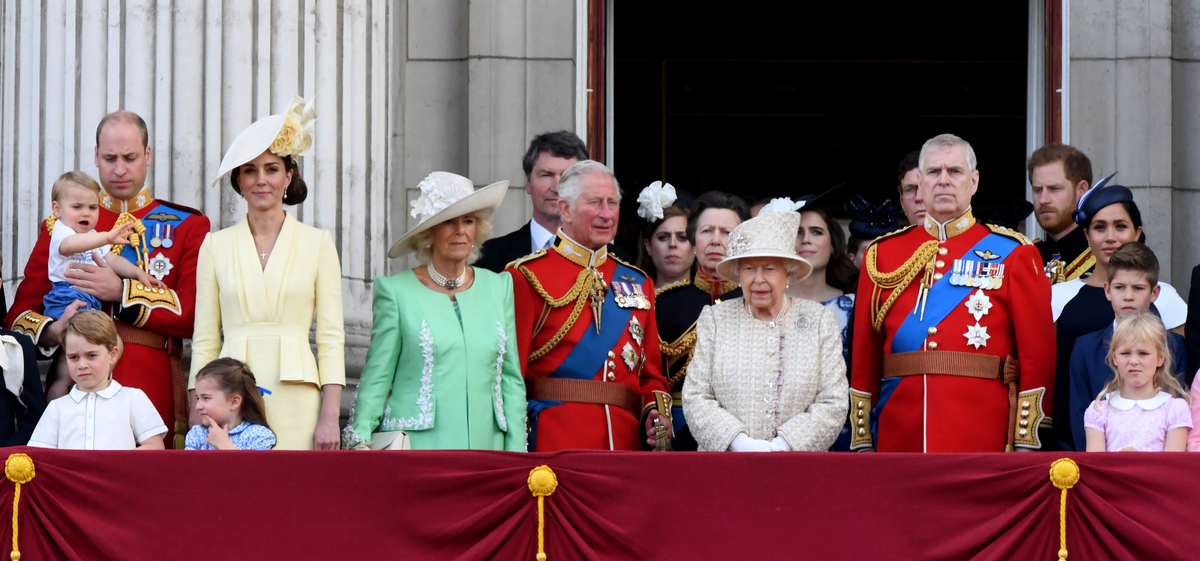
[447, 283]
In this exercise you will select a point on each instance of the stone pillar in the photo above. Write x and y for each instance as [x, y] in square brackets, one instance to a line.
[1121, 108]
[1185, 116]
[479, 79]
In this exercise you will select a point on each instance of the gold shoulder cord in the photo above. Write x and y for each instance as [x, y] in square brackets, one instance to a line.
[681, 349]
[137, 238]
[587, 281]
[897, 280]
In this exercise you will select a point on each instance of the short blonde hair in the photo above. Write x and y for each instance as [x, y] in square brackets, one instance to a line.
[74, 178]
[93, 326]
[422, 243]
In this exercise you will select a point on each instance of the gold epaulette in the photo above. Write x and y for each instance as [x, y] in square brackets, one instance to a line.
[148, 298]
[672, 286]
[893, 234]
[1009, 233]
[520, 260]
[613, 256]
[50, 221]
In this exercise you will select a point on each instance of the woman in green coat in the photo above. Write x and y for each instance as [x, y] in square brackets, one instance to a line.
[443, 364]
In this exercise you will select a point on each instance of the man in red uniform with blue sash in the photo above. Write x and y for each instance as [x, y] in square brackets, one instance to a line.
[939, 362]
[152, 322]
[585, 322]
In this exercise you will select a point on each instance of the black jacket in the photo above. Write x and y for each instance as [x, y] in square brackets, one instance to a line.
[17, 420]
[1191, 328]
[498, 252]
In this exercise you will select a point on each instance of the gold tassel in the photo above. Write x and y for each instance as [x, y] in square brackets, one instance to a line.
[542, 483]
[19, 469]
[1064, 474]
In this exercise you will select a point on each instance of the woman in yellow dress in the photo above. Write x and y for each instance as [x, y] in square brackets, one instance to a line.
[259, 282]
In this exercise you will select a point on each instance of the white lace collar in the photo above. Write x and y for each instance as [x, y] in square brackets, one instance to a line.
[1148, 404]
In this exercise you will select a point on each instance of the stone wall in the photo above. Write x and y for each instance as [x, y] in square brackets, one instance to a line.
[1133, 80]
[402, 88]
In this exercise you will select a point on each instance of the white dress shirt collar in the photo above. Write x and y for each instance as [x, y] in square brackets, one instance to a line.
[539, 237]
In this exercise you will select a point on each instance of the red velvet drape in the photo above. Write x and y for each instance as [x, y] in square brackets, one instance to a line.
[476, 505]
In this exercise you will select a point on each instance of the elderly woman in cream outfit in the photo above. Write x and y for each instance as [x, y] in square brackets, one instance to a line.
[768, 373]
[259, 282]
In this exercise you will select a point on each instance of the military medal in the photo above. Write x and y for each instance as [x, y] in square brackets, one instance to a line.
[156, 241]
[159, 266]
[636, 329]
[978, 304]
[643, 303]
[630, 356]
[977, 335]
[619, 292]
[168, 236]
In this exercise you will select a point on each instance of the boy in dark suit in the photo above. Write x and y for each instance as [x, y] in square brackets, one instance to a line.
[1132, 287]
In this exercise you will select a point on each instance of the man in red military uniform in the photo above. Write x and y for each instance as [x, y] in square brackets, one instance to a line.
[585, 320]
[939, 364]
[151, 322]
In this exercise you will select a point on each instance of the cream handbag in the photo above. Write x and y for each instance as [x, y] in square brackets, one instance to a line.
[391, 440]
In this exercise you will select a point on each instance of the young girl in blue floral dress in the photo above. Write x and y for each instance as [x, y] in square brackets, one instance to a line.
[232, 413]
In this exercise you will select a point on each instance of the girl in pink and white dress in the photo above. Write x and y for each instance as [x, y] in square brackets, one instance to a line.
[1143, 408]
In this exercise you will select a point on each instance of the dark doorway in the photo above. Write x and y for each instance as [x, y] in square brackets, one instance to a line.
[785, 99]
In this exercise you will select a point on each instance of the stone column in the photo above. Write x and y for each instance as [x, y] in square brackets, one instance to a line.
[1121, 107]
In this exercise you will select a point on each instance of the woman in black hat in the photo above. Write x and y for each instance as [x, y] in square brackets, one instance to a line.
[1110, 218]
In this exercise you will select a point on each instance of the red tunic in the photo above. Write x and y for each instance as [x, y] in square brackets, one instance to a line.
[584, 425]
[145, 368]
[943, 413]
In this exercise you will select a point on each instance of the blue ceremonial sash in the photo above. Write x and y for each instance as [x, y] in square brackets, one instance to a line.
[886, 387]
[161, 214]
[581, 363]
[943, 297]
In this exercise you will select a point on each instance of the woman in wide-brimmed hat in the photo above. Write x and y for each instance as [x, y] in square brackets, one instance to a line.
[444, 339]
[259, 281]
[768, 373]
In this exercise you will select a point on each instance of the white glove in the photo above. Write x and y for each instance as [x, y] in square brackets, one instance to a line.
[778, 444]
[743, 443]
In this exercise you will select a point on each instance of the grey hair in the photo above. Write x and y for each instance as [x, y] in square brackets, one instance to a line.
[946, 142]
[422, 243]
[571, 182]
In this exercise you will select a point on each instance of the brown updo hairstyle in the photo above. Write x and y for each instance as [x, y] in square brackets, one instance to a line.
[296, 191]
[233, 377]
[644, 262]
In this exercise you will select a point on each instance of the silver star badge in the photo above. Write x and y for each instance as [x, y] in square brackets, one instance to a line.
[630, 356]
[636, 329]
[977, 335]
[159, 266]
[978, 304]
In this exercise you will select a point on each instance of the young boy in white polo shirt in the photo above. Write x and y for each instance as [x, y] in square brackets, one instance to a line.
[98, 413]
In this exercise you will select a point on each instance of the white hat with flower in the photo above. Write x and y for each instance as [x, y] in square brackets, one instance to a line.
[444, 196]
[770, 234]
[284, 134]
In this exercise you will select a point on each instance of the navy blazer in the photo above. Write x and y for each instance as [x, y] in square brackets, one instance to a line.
[1090, 372]
[17, 418]
[1192, 326]
[497, 253]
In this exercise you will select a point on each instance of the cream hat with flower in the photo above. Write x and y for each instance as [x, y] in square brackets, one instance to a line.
[444, 196]
[285, 134]
[767, 235]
